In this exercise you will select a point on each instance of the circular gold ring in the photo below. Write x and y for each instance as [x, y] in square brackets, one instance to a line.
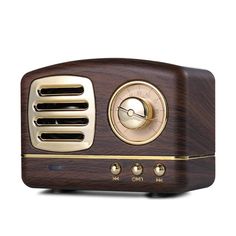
[111, 111]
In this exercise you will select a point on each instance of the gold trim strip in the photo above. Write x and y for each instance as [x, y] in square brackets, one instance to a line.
[117, 157]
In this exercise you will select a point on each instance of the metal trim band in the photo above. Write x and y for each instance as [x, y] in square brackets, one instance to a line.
[119, 157]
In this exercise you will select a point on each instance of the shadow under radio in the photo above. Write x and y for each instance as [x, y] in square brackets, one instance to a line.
[88, 193]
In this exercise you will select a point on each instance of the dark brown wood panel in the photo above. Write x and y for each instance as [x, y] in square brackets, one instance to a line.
[200, 111]
[189, 94]
[69, 173]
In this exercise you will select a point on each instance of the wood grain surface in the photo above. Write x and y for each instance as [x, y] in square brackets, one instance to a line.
[190, 128]
[90, 174]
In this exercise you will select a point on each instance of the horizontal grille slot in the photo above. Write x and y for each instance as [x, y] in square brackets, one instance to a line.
[65, 137]
[61, 121]
[70, 91]
[61, 106]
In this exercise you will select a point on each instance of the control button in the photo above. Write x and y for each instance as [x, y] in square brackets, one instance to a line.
[159, 170]
[134, 113]
[137, 169]
[115, 169]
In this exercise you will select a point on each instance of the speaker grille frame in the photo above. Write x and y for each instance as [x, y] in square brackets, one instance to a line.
[88, 130]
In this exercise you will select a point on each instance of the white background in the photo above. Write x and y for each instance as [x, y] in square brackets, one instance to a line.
[198, 34]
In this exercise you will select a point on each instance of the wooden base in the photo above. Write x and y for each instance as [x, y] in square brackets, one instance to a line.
[71, 173]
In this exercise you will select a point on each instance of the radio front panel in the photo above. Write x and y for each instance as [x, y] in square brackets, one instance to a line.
[118, 124]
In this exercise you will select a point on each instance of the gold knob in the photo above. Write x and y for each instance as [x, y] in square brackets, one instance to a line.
[134, 112]
[115, 169]
[137, 169]
[159, 170]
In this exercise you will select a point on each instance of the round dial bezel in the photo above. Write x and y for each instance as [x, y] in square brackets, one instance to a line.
[111, 115]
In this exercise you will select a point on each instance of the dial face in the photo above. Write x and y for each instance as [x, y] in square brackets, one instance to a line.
[137, 112]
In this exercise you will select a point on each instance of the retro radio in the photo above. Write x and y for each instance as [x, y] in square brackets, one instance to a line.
[118, 124]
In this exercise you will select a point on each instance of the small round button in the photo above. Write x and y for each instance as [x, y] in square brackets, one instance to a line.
[115, 169]
[137, 169]
[159, 169]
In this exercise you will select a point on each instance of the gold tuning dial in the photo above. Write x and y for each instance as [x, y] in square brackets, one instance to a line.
[134, 113]
[137, 112]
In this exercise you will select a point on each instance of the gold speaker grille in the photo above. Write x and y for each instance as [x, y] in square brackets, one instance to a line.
[61, 113]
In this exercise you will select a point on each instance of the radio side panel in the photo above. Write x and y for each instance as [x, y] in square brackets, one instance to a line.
[200, 112]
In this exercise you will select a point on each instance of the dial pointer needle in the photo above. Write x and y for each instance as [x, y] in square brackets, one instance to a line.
[135, 114]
